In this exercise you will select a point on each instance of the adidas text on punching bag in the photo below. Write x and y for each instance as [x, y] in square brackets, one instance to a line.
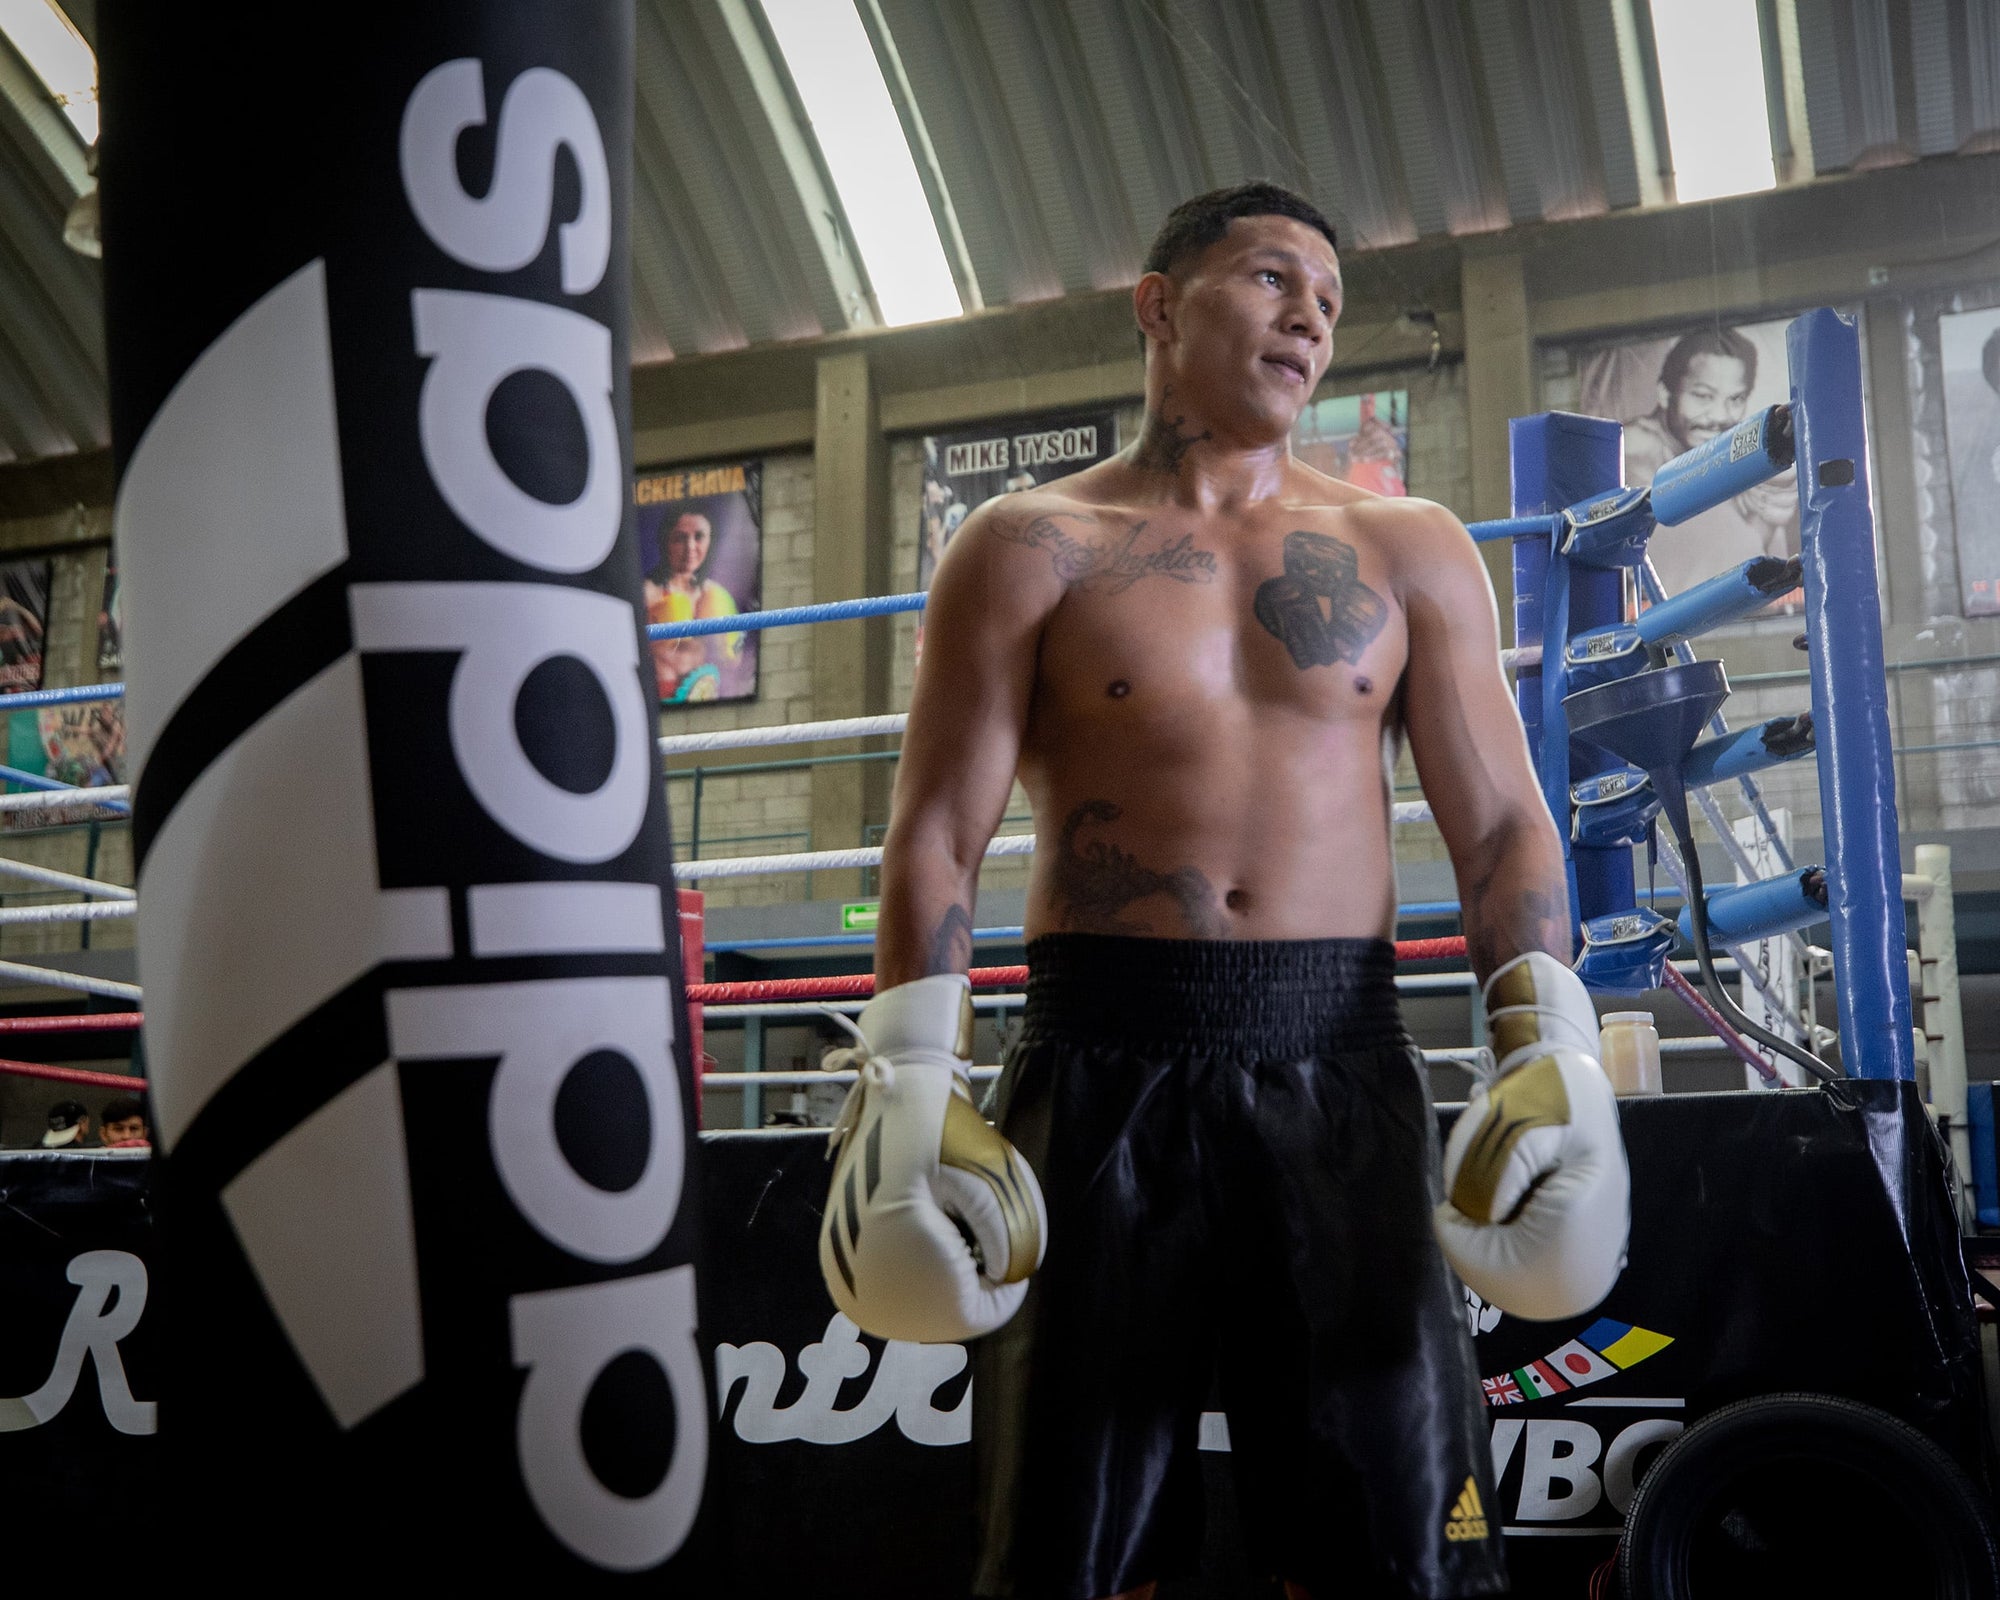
[415, 1019]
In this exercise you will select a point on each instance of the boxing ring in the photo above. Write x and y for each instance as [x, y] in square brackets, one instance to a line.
[1576, 535]
[1804, 1240]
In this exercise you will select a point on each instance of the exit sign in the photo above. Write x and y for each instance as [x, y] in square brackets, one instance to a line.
[860, 916]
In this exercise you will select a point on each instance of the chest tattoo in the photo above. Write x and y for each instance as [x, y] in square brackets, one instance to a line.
[1319, 609]
[1113, 566]
[1098, 882]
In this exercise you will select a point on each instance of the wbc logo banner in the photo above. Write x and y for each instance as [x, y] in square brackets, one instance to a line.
[414, 1012]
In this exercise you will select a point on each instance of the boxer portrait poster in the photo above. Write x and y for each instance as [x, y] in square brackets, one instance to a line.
[24, 614]
[1969, 351]
[1362, 439]
[701, 546]
[1675, 390]
[964, 469]
[110, 622]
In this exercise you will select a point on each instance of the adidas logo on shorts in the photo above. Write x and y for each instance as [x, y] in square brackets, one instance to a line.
[1468, 1517]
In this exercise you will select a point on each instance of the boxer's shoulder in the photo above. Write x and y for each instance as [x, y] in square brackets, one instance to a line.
[1423, 544]
[1066, 539]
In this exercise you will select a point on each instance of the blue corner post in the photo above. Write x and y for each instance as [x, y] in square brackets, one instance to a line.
[1559, 459]
[1850, 699]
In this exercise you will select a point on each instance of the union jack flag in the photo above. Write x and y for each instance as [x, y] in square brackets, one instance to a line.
[1501, 1391]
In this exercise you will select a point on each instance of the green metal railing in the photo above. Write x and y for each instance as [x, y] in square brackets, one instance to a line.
[699, 776]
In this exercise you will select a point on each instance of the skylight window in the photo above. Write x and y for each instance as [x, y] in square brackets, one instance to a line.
[861, 140]
[59, 58]
[1712, 79]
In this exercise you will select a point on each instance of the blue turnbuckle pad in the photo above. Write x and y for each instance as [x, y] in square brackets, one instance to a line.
[1746, 750]
[1602, 654]
[1608, 530]
[1626, 952]
[1613, 808]
[1746, 912]
[1756, 450]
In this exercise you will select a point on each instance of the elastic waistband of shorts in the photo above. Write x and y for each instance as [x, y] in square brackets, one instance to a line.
[1270, 998]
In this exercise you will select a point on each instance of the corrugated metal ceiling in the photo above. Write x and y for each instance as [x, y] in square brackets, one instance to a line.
[1064, 129]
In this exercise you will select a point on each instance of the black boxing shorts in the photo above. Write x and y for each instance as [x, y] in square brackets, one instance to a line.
[1239, 1155]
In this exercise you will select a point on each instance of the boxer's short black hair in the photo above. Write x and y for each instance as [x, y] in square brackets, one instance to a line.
[122, 1109]
[1707, 342]
[1193, 225]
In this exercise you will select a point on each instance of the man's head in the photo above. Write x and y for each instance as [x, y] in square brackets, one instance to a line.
[1705, 383]
[123, 1121]
[686, 546]
[69, 1126]
[1237, 306]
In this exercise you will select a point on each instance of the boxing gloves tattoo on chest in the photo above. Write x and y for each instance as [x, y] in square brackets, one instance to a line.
[1319, 609]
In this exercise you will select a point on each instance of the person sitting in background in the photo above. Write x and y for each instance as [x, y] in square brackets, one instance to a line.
[69, 1126]
[122, 1124]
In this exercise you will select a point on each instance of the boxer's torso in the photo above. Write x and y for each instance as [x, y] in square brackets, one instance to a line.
[1214, 714]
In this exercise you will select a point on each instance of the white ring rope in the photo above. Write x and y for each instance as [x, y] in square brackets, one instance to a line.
[1013, 844]
[852, 1008]
[50, 977]
[675, 744]
[679, 744]
[805, 1080]
[63, 799]
[69, 911]
[31, 873]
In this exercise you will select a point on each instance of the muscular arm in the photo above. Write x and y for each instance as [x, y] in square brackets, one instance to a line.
[1472, 756]
[982, 628]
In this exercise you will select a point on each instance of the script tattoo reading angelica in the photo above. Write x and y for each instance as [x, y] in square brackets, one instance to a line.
[1114, 567]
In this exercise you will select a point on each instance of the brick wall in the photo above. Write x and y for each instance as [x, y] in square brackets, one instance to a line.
[738, 812]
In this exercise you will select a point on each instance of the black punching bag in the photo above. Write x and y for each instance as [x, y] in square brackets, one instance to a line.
[414, 1020]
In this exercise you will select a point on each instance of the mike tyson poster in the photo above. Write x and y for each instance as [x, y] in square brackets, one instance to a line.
[414, 1014]
[964, 469]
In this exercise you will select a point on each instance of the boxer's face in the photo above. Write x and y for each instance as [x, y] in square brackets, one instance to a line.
[687, 545]
[1711, 399]
[1253, 322]
[125, 1130]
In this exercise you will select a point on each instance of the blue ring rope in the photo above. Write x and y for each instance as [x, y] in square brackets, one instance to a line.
[750, 621]
[78, 695]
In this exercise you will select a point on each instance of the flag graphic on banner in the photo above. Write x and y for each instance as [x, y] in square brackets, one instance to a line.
[1539, 1379]
[1501, 1391]
[1578, 1363]
[1602, 1350]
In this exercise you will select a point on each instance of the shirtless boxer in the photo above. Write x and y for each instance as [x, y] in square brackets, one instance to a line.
[1200, 657]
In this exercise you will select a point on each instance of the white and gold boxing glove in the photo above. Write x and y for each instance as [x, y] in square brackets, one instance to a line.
[934, 1221]
[1537, 1203]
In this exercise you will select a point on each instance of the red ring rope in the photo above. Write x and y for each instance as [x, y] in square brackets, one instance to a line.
[79, 1022]
[858, 986]
[96, 1080]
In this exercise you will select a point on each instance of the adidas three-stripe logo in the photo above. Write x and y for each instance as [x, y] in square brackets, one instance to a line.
[1468, 1517]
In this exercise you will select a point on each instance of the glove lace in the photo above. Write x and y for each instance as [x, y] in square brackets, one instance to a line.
[871, 1070]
